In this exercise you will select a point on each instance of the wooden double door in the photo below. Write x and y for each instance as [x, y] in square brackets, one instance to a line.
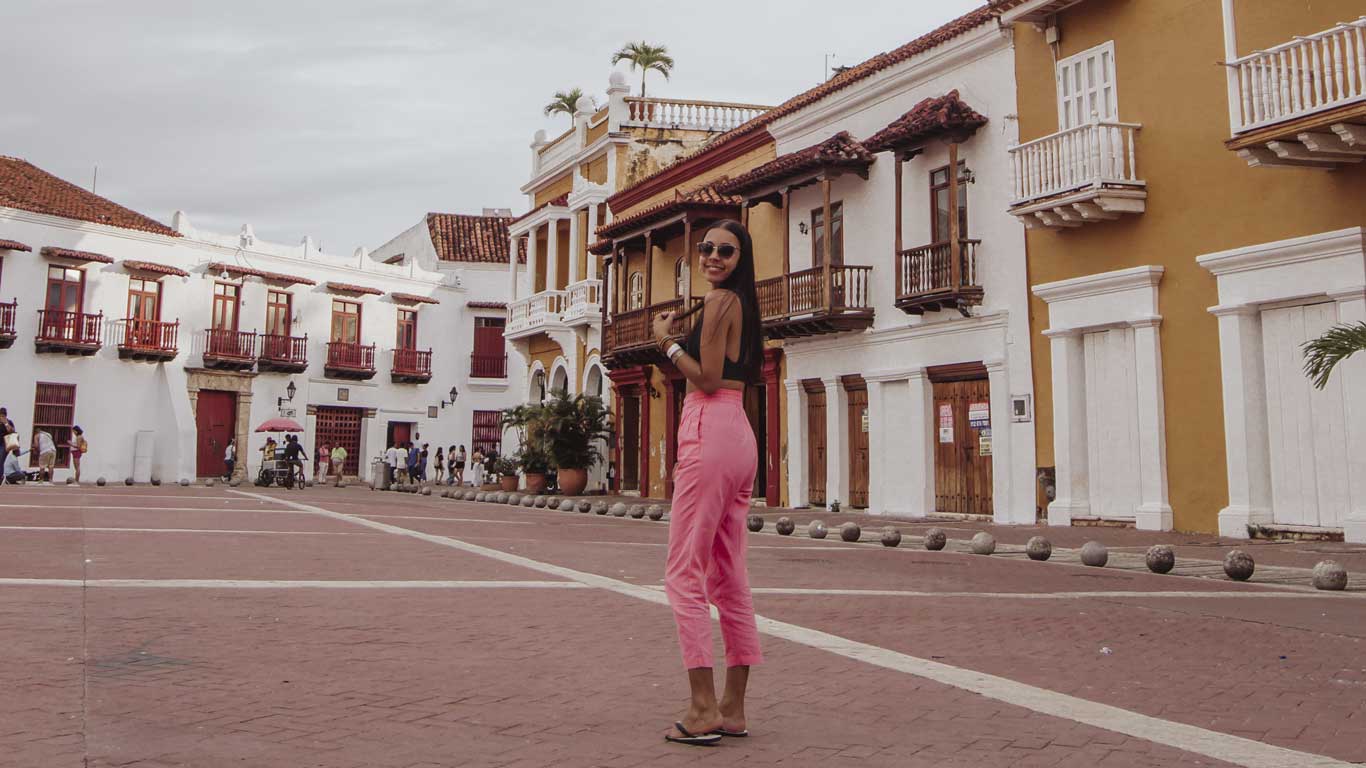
[815, 442]
[215, 416]
[817, 454]
[962, 446]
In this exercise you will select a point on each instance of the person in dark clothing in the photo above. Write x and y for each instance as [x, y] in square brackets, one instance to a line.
[295, 458]
[414, 458]
[422, 463]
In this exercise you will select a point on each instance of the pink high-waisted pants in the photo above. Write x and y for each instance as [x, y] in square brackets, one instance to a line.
[713, 480]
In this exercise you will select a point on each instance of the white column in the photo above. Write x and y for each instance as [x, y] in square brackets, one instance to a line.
[1153, 513]
[1352, 309]
[574, 253]
[531, 258]
[877, 449]
[919, 464]
[1231, 73]
[1004, 508]
[512, 269]
[797, 461]
[552, 254]
[592, 260]
[1072, 498]
[1247, 452]
[836, 442]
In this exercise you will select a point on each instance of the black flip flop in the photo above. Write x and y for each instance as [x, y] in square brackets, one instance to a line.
[703, 740]
[732, 734]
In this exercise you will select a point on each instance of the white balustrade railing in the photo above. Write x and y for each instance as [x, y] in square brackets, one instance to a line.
[1303, 76]
[519, 315]
[1097, 154]
[584, 300]
[558, 151]
[537, 310]
[695, 115]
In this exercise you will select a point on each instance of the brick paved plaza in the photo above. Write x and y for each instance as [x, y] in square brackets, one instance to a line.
[225, 627]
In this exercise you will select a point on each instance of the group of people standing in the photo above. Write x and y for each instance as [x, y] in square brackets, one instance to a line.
[43, 446]
[405, 462]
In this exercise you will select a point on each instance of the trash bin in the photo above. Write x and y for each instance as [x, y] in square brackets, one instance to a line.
[378, 475]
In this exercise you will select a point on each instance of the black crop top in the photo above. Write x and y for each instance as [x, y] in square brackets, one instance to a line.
[731, 370]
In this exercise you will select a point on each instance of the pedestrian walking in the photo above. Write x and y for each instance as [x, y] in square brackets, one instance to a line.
[438, 465]
[713, 480]
[390, 464]
[9, 435]
[229, 458]
[477, 468]
[401, 462]
[458, 465]
[338, 464]
[323, 460]
[422, 464]
[78, 446]
[47, 455]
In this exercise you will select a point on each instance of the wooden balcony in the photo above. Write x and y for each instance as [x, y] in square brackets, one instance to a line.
[72, 333]
[7, 313]
[1082, 175]
[488, 366]
[536, 313]
[411, 366]
[926, 280]
[282, 354]
[229, 350]
[629, 339]
[350, 360]
[151, 341]
[816, 301]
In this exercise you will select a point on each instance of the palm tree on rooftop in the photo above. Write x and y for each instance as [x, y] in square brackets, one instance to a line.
[645, 57]
[565, 102]
[1323, 354]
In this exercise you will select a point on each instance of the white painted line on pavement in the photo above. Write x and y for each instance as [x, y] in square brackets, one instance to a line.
[171, 530]
[103, 508]
[1038, 595]
[1190, 738]
[447, 519]
[276, 584]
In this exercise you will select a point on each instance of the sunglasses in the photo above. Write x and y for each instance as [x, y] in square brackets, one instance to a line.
[724, 250]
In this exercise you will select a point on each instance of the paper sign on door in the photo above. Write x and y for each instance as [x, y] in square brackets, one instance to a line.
[979, 415]
[945, 423]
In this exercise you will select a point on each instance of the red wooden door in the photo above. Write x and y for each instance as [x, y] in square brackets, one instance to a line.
[629, 435]
[962, 461]
[340, 427]
[215, 414]
[815, 441]
[858, 441]
[400, 432]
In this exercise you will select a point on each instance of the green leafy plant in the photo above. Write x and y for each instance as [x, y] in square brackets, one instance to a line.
[505, 466]
[645, 57]
[573, 428]
[529, 420]
[564, 102]
[1323, 354]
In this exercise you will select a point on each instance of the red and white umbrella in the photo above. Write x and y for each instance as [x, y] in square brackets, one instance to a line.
[280, 424]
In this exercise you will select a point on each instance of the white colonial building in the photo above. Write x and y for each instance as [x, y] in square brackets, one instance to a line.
[903, 298]
[163, 343]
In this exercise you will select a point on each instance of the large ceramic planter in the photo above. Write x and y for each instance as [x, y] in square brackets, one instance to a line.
[508, 483]
[535, 482]
[573, 481]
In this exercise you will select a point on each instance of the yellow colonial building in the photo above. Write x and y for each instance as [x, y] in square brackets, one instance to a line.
[1191, 177]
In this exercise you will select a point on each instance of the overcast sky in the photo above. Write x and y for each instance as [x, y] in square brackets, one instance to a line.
[349, 120]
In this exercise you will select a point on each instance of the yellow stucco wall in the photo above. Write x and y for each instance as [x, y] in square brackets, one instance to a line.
[560, 186]
[1201, 198]
[595, 170]
[543, 349]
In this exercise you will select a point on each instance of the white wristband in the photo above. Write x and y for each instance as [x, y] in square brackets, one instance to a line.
[674, 352]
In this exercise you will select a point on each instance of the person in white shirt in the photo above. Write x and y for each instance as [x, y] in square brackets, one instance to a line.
[401, 463]
[390, 465]
[47, 455]
[229, 458]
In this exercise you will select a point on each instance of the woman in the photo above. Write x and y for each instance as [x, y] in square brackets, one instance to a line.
[79, 447]
[229, 459]
[478, 468]
[439, 466]
[324, 458]
[713, 479]
[458, 465]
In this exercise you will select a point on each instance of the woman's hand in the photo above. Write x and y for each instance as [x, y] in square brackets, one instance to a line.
[663, 322]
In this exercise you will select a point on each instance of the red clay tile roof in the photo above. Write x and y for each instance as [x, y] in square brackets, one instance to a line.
[959, 26]
[147, 266]
[940, 116]
[412, 298]
[704, 196]
[601, 247]
[561, 201]
[13, 245]
[278, 277]
[67, 253]
[486, 304]
[29, 188]
[839, 151]
[464, 237]
[349, 288]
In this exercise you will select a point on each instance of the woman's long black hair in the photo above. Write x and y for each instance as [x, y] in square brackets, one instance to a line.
[741, 283]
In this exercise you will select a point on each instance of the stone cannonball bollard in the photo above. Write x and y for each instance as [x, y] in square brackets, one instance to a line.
[236, 483]
[816, 529]
[426, 490]
[617, 510]
[501, 498]
[1094, 554]
[100, 482]
[1160, 558]
[600, 508]
[479, 496]
[1238, 565]
[539, 502]
[850, 531]
[584, 507]
[935, 539]
[637, 511]
[210, 483]
[891, 537]
[1038, 548]
[184, 483]
[529, 502]
[1330, 575]
[127, 481]
[983, 543]
[785, 526]
[568, 505]
[471, 495]
[514, 499]
[340, 483]
[445, 493]
[754, 523]
[655, 511]
[71, 481]
[156, 480]
[552, 502]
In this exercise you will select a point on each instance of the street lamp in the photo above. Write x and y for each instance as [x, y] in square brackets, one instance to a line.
[289, 392]
[454, 394]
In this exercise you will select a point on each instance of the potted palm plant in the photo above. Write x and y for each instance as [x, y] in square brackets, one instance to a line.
[529, 419]
[572, 430]
[506, 469]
